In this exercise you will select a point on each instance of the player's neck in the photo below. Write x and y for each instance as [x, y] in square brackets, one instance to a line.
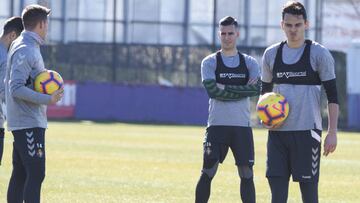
[229, 52]
[295, 44]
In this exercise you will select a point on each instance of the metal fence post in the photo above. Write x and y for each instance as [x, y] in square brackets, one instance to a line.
[186, 38]
[214, 26]
[114, 48]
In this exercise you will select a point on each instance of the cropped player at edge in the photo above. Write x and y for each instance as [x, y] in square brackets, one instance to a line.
[296, 68]
[11, 30]
[230, 78]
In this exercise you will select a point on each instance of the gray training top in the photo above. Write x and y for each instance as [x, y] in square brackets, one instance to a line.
[3, 57]
[26, 107]
[304, 100]
[228, 113]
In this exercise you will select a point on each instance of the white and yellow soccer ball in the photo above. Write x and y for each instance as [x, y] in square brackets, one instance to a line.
[272, 109]
[47, 82]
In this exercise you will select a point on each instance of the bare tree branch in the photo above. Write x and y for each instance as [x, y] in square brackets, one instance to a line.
[356, 6]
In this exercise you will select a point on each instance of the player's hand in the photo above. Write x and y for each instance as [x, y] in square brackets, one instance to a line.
[330, 143]
[57, 95]
[252, 81]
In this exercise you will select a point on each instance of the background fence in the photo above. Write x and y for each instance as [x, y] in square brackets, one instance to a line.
[162, 42]
[177, 66]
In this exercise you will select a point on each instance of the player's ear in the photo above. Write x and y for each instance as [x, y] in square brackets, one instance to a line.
[14, 35]
[41, 24]
[307, 24]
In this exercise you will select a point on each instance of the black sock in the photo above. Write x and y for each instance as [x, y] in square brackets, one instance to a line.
[16, 186]
[203, 189]
[35, 176]
[247, 190]
[309, 192]
[279, 189]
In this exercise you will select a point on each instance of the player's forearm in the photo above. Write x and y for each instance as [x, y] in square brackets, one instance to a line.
[266, 87]
[244, 90]
[333, 107]
[2, 94]
[27, 94]
[333, 114]
[2, 84]
[221, 94]
[2, 90]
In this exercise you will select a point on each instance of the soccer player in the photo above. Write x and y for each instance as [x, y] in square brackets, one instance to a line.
[11, 30]
[296, 68]
[27, 120]
[230, 78]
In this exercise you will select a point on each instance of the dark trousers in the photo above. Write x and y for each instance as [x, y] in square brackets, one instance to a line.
[28, 166]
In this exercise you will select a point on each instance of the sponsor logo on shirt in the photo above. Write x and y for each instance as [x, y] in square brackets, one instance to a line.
[232, 75]
[291, 74]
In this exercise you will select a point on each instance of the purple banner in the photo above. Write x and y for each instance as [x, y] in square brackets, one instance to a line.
[140, 103]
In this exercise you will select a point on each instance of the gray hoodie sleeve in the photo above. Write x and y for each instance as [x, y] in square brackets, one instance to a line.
[253, 66]
[22, 63]
[2, 77]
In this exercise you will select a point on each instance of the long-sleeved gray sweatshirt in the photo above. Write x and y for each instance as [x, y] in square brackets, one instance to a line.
[26, 108]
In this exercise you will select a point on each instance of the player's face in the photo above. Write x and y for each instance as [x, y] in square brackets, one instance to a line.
[228, 35]
[294, 27]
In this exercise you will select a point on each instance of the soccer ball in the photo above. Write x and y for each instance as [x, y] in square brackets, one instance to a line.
[47, 82]
[272, 109]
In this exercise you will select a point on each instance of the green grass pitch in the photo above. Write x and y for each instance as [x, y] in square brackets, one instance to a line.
[127, 163]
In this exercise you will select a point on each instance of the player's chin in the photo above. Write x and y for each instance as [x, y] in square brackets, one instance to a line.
[296, 38]
[229, 46]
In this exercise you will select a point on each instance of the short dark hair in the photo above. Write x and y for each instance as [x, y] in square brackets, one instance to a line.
[13, 24]
[34, 14]
[228, 20]
[294, 8]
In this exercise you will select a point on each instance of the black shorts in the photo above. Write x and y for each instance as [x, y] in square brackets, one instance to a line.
[295, 153]
[29, 145]
[218, 139]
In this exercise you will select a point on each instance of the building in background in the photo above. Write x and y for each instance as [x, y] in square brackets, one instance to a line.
[341, 24]
[189, 22]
